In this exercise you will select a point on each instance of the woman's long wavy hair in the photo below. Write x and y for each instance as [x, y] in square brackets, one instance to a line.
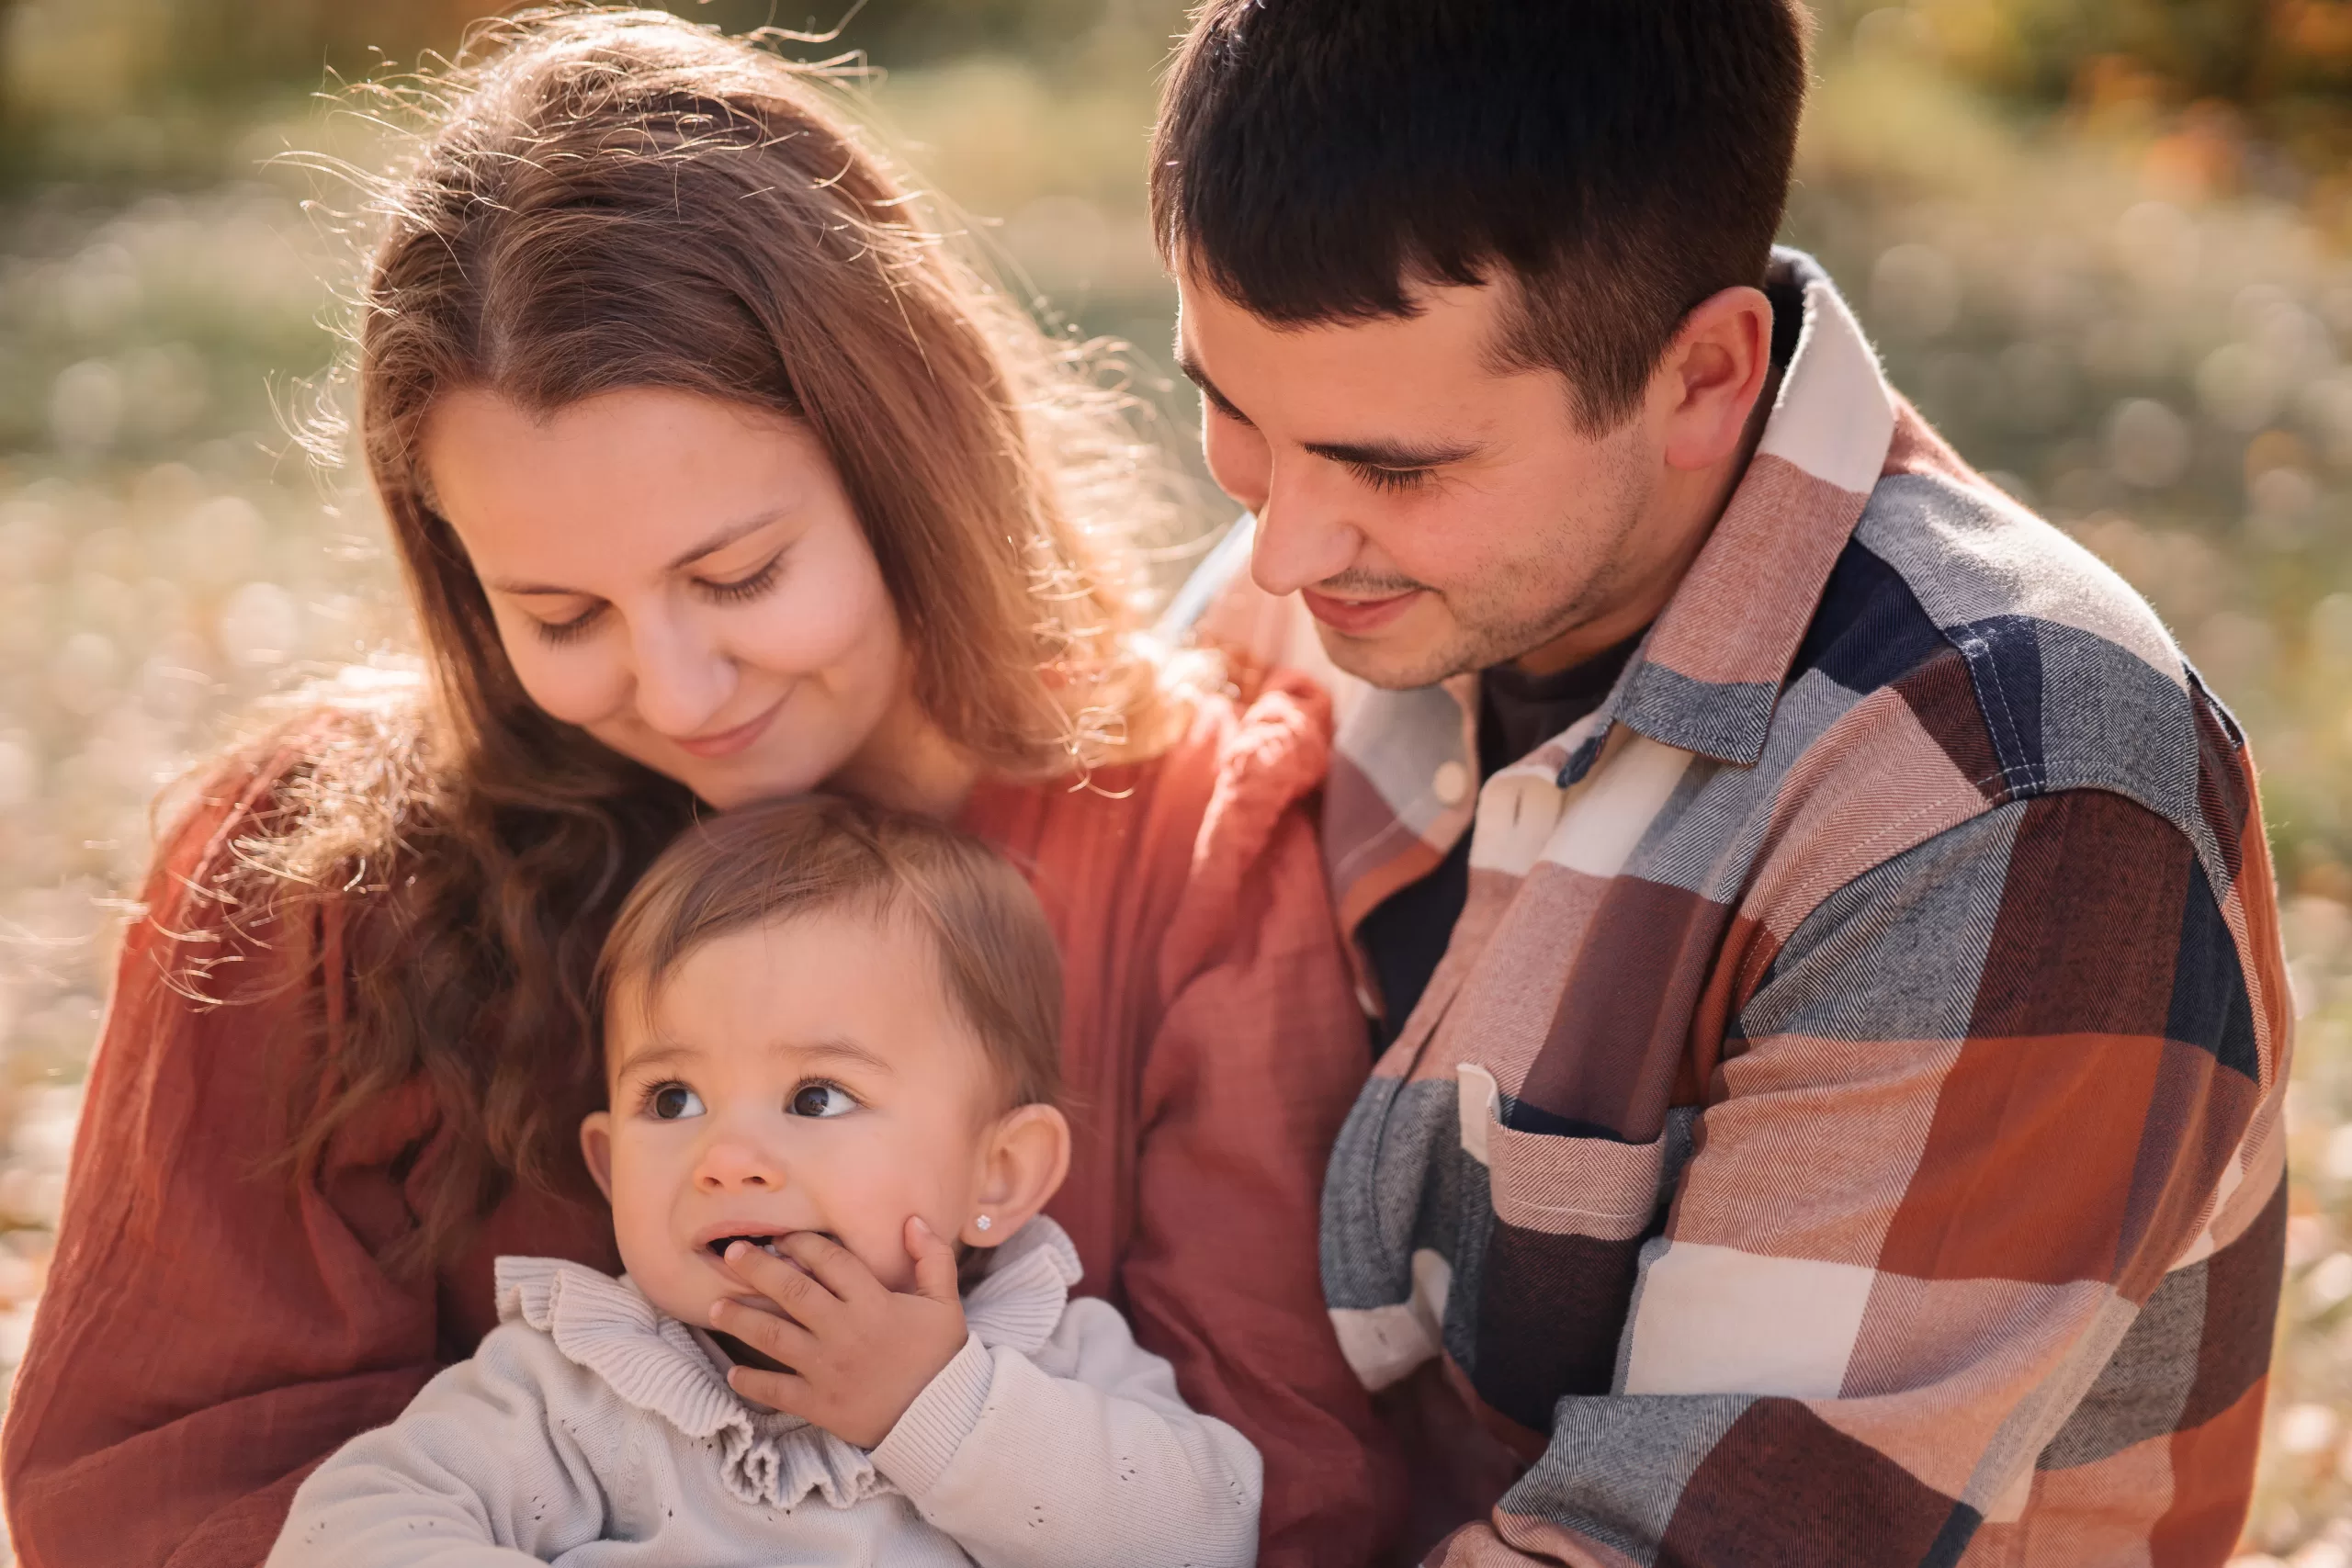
[608, 200]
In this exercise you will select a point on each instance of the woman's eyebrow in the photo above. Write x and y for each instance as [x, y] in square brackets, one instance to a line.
[717, 542]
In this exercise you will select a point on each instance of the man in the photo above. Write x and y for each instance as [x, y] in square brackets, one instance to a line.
[1820, 930]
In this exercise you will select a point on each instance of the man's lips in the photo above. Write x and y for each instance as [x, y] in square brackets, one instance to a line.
[727, 742]
[1358, 617]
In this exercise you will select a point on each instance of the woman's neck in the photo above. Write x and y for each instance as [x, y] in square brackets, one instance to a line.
[908, 764]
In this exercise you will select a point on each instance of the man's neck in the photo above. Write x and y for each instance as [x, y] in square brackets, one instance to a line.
[1688, 505]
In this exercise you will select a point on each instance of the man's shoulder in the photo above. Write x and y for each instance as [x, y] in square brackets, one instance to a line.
[1983, 569]
[2033, 666]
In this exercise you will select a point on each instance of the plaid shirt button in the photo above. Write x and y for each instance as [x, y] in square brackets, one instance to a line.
[1451, 784]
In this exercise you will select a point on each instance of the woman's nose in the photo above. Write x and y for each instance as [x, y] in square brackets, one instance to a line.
[683, 678]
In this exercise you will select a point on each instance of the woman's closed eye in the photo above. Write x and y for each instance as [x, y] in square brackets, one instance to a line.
[820, 1099]
[749, 586]
[560, 632]
[672, 1101]
[735, 591]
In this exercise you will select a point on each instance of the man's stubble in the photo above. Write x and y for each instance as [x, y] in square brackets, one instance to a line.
[1490, 622]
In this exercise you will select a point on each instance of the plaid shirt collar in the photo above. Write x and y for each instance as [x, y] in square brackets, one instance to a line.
[1705, 679]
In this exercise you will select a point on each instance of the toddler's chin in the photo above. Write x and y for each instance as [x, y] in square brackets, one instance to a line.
[689, 1306]
[675, 1295]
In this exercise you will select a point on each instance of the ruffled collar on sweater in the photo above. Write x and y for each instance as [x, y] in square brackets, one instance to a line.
[654, 1362]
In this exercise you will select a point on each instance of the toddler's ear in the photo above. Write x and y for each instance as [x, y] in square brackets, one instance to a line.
[1023, 1163]
[596, 1147]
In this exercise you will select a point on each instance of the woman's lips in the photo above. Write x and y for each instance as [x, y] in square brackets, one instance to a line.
[1357, 617]
[727, 742]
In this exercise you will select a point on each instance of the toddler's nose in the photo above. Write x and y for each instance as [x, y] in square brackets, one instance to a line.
[731, 1161]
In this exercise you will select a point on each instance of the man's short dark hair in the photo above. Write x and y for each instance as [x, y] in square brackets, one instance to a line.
[1620, 161]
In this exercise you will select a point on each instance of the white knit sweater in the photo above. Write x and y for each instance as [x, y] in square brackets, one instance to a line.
[591, 1430]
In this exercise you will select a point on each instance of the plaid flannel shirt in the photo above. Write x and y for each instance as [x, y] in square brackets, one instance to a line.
[1845, 1127]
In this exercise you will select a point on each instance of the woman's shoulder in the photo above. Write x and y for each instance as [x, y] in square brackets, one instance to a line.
[232, 909]
[1169, 844]
[1233, 763]
[269, 785]
[224, 992]
[1251, 757]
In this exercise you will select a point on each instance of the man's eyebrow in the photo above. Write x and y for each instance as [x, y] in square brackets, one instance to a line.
[717, 542]
[1356, 454]
[1391, 454]
[1199, 377]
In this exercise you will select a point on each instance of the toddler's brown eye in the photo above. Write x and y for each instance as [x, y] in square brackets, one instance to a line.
[821, 1100]
[674, 1100]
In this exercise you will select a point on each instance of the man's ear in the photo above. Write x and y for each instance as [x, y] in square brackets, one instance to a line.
[1023, 1162]
[596, 1147]
[1712, 374]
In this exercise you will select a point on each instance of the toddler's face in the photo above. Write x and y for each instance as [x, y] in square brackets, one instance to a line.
[809, 1076]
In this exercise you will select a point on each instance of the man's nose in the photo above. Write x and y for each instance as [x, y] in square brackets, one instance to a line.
[1304, 536]
[683, 678]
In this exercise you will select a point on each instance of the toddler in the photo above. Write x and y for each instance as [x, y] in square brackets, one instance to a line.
[845, 1334]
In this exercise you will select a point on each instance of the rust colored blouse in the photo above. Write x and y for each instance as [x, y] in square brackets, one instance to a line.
[210, 1332]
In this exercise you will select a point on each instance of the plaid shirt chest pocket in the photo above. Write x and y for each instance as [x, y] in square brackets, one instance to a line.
[1564, 1218]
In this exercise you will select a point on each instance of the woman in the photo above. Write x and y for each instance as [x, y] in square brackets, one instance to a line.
[714, 478]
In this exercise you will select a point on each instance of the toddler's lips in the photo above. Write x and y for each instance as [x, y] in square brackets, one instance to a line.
[766, 1241]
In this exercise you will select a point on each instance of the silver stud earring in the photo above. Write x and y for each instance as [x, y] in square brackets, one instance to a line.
[982, 1222]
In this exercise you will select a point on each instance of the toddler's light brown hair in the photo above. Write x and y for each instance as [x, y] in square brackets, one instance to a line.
[786, 859]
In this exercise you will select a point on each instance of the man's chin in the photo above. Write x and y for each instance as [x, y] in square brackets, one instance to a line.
[1392, 662]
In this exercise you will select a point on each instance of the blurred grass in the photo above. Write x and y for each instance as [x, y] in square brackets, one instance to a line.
[2106, 245]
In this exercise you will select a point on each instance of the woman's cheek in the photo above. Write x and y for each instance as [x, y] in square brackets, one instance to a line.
[795, 634]
[577, 685]
[832, 624]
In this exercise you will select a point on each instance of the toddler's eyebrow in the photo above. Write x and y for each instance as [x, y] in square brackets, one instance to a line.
[656, 1052]
[660, 1052]
[845, 1049]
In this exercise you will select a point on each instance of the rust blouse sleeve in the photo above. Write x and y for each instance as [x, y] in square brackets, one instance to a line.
[209, 1331]
[1260, 1053]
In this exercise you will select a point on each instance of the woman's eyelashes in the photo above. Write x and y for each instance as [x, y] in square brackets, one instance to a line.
[736, 591]
[560, 632]
[750, 586]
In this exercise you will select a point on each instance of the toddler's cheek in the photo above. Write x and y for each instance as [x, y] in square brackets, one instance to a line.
[887, 1260]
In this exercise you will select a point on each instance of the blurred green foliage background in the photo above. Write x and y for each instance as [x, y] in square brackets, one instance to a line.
[2106, 245]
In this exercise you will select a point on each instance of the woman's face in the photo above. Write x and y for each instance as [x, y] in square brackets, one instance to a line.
[681, 576]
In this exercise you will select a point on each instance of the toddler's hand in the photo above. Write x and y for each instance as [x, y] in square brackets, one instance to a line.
[858, 1351]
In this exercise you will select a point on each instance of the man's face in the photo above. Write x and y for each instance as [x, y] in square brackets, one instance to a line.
[1435, 515]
